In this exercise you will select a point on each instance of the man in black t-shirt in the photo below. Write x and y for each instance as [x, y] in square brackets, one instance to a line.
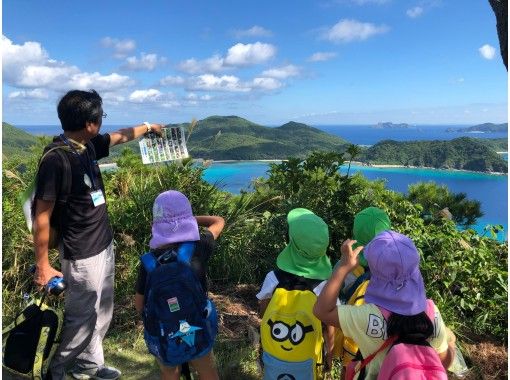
[86, 246]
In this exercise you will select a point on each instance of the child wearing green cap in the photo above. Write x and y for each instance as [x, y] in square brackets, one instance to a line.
[303, 261]
[367, 224]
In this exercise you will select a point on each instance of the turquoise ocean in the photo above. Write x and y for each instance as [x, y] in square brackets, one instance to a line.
[490, 190]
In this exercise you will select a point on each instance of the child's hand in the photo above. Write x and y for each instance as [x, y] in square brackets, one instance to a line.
[349, 257]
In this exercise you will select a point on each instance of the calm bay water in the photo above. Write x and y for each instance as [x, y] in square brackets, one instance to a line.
[490, 190]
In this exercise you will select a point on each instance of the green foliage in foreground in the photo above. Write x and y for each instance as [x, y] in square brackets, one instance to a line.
[465, 274]
[435, 198]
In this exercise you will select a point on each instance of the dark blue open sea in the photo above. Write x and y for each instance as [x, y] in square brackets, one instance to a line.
[490, 190]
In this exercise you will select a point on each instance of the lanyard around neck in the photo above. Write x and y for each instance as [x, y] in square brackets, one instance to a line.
[85, 163]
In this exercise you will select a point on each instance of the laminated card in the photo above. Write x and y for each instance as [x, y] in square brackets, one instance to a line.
[171, 145]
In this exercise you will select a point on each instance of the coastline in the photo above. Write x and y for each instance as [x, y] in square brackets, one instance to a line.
[388, 166]
[381, 166]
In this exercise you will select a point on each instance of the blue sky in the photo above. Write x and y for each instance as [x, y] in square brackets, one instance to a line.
[316, 62]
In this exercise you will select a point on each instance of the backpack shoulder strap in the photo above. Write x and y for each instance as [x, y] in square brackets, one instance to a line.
[67, 175]
[362, 364]
[40, 364]
[290, 281]
[185, 252]
[431, 309]
[149, 261]
[346, 296]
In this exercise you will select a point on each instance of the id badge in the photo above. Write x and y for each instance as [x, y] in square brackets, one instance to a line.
[97, 197]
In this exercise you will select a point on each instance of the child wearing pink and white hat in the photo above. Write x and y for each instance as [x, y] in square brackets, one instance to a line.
[174, 223]
[396, 289]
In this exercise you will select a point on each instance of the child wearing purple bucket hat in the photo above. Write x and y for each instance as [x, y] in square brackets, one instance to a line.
[396, 304]
[174, 223]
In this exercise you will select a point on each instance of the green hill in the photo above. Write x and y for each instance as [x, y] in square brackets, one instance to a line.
[462, 153]
[235, 138]
[15, 140]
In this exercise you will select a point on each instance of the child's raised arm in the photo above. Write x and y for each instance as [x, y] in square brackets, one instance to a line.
[213, 223]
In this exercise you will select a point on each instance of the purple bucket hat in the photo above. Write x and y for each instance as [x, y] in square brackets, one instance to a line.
[173, 220]
[396, 282]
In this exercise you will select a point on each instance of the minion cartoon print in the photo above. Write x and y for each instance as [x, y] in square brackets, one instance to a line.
[289, 330]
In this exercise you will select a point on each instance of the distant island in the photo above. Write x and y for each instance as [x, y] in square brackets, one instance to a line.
[235, 138]
[390, 125]
[482, 128]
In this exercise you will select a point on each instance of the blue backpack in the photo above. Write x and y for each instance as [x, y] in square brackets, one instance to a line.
[180, 321]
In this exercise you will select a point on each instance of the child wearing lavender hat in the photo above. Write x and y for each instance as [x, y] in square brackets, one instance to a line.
[396, 289]
[174, 223]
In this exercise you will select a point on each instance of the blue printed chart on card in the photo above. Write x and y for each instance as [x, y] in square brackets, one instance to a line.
[170, 146]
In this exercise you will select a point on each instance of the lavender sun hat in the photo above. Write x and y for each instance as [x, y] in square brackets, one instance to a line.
[396, 283]
[173, 220]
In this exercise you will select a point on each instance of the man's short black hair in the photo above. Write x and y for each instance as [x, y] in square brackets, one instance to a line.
[77, 108]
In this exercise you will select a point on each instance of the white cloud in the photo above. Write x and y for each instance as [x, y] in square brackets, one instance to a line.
[239, 55]
[99, 82]
[29, 66]
[255, 31]
[211, 82]
[266, 83]
[171, 104]
[146, 96]
[321, 56]
[487, 51]
[171, 80]
[249, 54]
[352, 30]
[192, 66]
[146, 62]
[112, 98]
[230, 83]
[282, 72]
[36, 93]
[414, 12]
[121, 48]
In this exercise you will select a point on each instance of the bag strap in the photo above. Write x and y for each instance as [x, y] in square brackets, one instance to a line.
[182, 254]
[290, 281]
[66, 166]
[346, 296]
[67, 176]
[362, 364]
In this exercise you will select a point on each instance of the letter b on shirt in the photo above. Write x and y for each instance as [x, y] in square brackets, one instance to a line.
[376, 327]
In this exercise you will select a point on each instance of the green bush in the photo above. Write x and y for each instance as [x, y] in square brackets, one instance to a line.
[464, 273]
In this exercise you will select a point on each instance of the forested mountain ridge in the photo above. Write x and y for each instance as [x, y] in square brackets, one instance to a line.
[235, 138]
[461, 153]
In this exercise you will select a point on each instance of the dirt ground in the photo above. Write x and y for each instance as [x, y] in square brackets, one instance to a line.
[239, 320]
